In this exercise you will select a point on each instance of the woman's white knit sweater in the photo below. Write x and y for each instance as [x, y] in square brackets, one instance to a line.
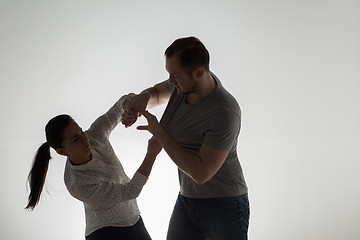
[108, 194]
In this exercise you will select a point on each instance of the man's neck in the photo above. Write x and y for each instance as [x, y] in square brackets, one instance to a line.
[204, 87]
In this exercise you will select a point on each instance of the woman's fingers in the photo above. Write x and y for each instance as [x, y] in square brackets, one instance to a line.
[128, 118]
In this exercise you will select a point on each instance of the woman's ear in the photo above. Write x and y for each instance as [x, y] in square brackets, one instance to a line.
[61, 151]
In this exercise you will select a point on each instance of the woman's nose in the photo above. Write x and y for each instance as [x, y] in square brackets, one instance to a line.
[84, 139]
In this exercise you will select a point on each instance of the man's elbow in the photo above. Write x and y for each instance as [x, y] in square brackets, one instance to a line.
[200, 180]
[200, 177]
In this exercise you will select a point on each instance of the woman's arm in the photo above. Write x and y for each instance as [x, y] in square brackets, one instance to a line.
[95, 191]
[153, 150]
[105, 124]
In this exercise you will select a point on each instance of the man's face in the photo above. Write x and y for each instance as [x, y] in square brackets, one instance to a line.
[180, 77]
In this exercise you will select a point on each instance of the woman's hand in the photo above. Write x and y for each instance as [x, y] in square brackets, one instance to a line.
[154, 147]
[133, 105]
[153, 150]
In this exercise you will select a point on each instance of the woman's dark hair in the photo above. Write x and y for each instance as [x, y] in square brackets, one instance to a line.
[54, 136]
[191, 52]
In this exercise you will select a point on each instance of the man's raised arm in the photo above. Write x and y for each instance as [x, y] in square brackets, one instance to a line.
[148, 98]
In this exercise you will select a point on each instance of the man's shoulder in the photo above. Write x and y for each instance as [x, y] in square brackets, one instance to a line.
[223, 99]
[222, 92]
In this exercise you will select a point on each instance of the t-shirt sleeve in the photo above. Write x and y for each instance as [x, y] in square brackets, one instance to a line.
[223, 130]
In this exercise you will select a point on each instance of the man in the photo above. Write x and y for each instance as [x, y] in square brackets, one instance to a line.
[199, 131]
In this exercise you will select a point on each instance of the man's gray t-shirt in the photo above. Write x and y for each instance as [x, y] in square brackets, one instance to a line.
[214, 121]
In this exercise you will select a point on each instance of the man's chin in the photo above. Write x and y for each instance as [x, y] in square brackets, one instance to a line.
[180, 92]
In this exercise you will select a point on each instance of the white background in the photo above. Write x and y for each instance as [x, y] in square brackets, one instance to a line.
[293, 66]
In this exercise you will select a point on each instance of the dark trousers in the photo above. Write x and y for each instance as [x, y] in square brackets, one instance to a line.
[225, 218]
[136, 232]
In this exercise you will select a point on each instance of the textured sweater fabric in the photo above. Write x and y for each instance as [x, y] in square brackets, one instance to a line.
[108, 194]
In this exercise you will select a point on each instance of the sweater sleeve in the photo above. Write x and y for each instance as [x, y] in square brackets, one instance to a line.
[105, 124]
[99, 192]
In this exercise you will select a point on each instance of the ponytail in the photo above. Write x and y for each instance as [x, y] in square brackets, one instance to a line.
[37, 175]
[54, 136]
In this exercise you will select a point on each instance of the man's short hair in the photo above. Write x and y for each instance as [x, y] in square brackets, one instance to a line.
[191, 53]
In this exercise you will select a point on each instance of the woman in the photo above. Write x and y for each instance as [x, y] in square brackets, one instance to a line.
[95, 176]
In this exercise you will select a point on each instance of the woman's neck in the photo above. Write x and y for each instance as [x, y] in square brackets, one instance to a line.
[80, 161]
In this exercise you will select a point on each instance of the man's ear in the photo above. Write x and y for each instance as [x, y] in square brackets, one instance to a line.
[61, 151]
[198, 72]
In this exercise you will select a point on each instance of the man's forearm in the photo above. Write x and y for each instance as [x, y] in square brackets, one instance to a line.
[157, 95]
[188, 162]
[151, 95]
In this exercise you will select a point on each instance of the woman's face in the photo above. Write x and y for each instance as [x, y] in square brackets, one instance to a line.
[76, 144]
